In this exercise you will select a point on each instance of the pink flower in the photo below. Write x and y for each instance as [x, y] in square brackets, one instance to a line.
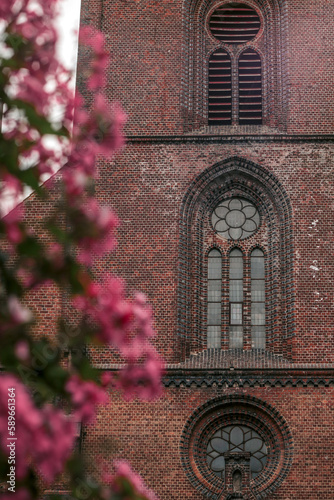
[85, 397]
[22, 350]
[124, 474]
[54, 443]
[12, 223]
[99, 224]
[45, 436]
[18, 313]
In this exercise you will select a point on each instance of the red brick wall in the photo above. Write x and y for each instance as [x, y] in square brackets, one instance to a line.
[154, 448]
[147, 183]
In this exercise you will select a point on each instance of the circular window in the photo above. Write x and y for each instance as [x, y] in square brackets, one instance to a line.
[236, 436]
[235, 219]
[234, 23]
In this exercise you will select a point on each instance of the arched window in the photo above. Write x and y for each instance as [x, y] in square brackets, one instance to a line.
[236, 261]
[236, 299]
[226, 27]
[250, 88]
[220, 88]
[214, 298]
[258, 313]
[236, 24]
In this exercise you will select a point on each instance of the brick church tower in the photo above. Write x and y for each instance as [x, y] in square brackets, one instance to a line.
[225, 192]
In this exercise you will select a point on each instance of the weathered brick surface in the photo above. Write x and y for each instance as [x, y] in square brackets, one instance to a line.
[153, 447]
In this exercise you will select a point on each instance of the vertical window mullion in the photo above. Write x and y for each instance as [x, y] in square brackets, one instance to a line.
[236, 275]
[214, 299]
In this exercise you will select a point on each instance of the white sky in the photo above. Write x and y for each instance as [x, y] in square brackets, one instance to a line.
[68, 26]
[68, 23]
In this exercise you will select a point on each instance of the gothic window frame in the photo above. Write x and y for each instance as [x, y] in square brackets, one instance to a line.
[240, 177]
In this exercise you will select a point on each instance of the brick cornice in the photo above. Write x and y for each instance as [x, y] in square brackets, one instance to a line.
[250, 377]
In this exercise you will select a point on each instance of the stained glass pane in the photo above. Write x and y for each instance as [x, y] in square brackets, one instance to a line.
[214, 337]
[236, 314]
[258, 313]
[214, 268]
[236, 268]
[258, 337]
[214, 313]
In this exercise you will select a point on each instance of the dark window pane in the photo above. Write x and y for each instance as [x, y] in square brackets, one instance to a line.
[258, 292]
[214, 337]
[258, 313]
[257, 267]
[236, 337]
[214, 313]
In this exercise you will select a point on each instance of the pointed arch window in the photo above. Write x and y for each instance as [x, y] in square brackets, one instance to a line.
[236, 219]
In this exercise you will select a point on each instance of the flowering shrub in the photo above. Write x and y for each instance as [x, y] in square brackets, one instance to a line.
[45, 129]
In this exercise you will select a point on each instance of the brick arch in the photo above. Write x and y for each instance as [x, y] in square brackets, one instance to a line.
[236, 409]
[198, 45]
[235, 177]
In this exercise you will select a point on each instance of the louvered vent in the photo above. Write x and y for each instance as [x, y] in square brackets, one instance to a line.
[250, 88]
[234, 23]
[220, 88]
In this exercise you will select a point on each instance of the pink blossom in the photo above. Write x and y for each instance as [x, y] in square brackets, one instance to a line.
[123, 472]
[95, 39]
[12, 225]
[45, 436]
[110, 122]
[54, 444]
[20, 494]
[22, 350]
[12, 183]
[17, 312]
[99, 224]
[142, 380]
[85, 395]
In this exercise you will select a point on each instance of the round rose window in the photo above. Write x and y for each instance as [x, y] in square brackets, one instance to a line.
[235, 219]
[236, 438]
